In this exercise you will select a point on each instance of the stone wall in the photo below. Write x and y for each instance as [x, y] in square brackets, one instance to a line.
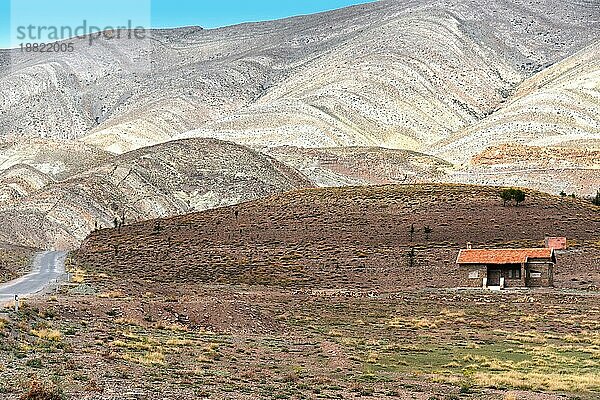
[472, 275]
[545, 279]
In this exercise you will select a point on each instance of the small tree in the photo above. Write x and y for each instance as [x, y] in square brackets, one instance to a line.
[428, 231]
[596, 200]
[411, 258]
[511, 194]
[519, 196]
[506, 196]
[563, 194]
[412, 232]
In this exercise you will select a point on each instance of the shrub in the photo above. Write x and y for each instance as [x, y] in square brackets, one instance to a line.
[512, 194]
[596, 200]
[47, 334]
[41, 391]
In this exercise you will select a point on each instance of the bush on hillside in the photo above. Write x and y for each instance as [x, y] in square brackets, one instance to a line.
[512, 194]
[596, 200]
[41, 391]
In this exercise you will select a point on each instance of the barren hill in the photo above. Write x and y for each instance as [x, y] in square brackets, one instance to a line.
[387, 92]
[390, 73]
[350, 237]
[164, 180]
[413, 73]
[557, 107]
[354, 166]
[20, 181]
[57, 158]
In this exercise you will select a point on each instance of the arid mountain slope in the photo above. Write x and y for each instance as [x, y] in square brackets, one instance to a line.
[56, 158]
[559, 106]
[393, 73]
[357, 166]
[415, 75]
[342, 238]
[20, 181]
[164, 180]
[14, 261]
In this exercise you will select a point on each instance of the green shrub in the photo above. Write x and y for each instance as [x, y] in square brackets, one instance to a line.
[512, 194]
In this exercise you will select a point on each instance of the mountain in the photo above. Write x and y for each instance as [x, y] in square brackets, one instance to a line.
[163, 180]
[391, 73]
[556, 107]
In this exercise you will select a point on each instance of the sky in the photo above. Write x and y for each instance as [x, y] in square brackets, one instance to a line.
[147, 13]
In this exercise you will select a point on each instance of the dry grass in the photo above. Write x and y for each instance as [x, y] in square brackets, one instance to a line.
[149, 358]
[115, 294]
[540, 381]
[78, 276]
[48, 334]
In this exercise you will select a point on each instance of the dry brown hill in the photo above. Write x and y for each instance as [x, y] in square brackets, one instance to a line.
[14, 261]
[351, 237]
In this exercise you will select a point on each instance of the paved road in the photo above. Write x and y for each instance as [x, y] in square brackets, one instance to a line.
[47, 267]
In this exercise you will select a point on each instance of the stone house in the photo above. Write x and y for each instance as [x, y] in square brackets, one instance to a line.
[506, 268]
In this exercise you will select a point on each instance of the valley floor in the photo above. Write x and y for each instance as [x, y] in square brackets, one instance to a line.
[99, 340]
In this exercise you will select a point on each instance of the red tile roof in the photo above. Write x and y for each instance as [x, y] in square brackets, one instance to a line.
[502, 256]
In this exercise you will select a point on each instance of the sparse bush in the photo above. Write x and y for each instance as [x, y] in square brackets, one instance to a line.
[41, 391]
[596, 200]
[512, 194]
[428, 231]
[47, 334]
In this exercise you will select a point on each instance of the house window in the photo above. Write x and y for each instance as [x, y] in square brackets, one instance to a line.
[535, 274]
[514, 273]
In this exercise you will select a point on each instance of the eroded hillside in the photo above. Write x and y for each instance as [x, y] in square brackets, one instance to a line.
[390, 73]
[168, 179]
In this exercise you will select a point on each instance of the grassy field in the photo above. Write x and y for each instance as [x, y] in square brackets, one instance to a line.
[244, 342]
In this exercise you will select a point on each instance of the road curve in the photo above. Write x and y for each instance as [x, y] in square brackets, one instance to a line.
[47, 267]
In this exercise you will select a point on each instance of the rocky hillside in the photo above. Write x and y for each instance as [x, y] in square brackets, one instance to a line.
[357, 166]
[14, 261]
[164, 180]
[59, 159]
[391, 73]
[350, 237]
[556, 107]
[412, 73]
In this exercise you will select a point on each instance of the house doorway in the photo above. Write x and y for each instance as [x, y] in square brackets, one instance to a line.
[494, 276]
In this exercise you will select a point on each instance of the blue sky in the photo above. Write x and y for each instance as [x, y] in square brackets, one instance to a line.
[154, 13]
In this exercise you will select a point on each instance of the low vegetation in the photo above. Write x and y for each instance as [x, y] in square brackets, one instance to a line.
[512, 194]
[596, 199]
